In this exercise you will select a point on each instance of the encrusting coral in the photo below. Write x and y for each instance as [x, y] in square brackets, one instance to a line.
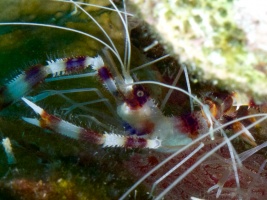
[221, 41]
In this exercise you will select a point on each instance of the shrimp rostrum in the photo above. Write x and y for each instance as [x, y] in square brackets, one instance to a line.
[142, 123]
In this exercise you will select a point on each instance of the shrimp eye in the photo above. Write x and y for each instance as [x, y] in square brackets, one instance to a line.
[138, 97]
[140, 93]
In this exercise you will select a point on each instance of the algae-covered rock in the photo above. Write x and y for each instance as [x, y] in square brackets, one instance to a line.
[222, 41]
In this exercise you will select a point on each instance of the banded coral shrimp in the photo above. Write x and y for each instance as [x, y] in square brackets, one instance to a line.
[220, 158]
[29, 148]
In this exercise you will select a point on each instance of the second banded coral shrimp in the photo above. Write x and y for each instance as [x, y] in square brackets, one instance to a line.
[124, 114]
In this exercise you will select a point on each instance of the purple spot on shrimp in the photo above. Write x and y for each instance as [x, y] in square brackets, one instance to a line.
[128, 128]
[189, 124]
[131, 130]
[104, 73]
[75, 64]
[135, 142]
[141, 94]
[91, 136]
[138, 97]
[35, 75]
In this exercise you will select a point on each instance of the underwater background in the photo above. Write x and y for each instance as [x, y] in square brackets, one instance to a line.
[49, 166]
